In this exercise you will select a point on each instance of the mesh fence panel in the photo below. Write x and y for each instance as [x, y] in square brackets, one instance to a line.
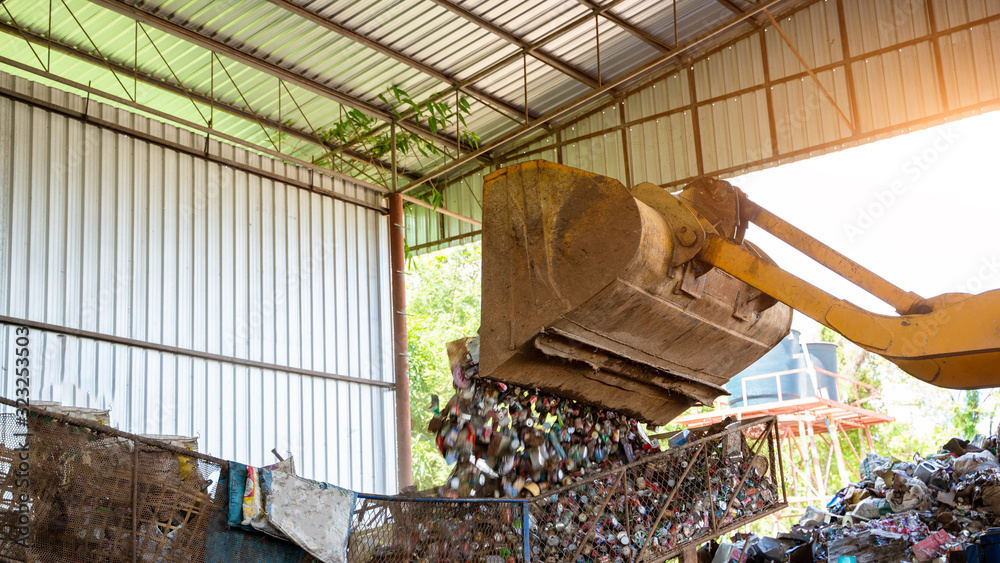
[96, 494]
[92, 492]
[386, 529]
[652, 509]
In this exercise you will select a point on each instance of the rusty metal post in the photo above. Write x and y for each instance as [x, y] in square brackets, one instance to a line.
[397, 260]
[708, 483]
[135, 501]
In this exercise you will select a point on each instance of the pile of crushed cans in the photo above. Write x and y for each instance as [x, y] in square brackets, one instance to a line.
[651, 507]
[598, 493]
[506, 441]
[940, 508]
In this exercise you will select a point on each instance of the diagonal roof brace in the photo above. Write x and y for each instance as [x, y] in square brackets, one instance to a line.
[205, 99]
[621, 22]
[735, 8]
[607, 88]
[551, 60]
[486, 98]
[288, 76]
[731, 6]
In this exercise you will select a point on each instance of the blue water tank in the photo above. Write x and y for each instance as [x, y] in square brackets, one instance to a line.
[787, 356]
[824, 358]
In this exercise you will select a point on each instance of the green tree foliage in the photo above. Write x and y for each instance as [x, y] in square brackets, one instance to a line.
[966, 413]
[442, 305]
[364, 133]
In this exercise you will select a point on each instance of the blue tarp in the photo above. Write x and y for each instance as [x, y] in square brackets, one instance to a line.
[237, 487]
[225, 544]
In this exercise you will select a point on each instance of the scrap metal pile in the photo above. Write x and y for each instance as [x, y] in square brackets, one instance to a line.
[390, 530]
[599, 487]
[506, 440]
[938, 508]
[654, 507]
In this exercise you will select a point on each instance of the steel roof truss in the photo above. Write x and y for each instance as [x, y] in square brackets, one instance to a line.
[487, 99]
[551, 60]
[629, 27]
[285, 74]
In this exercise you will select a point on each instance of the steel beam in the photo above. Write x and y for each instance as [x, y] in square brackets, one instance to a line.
[551, 60]
[629, 27]
[186, 352]
[528, 49]
[731, 6]
[936, 46]
[846, 64]
[442, 211]
[224, 107]
[486, 98]
[397, 256]
[812, 74]
[735, 8]
[573, 105]
[272, 69]
[860, 138]
[185, 124]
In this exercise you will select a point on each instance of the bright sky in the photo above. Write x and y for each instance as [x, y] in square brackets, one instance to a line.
[921, 210]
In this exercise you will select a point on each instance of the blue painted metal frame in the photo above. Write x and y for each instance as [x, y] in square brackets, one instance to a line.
[526, 530]
[463, 500]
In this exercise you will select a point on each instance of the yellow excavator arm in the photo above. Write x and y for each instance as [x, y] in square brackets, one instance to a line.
[648, 302]
[952, 340]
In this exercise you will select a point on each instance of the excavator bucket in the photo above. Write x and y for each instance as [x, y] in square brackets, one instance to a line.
[592, 294]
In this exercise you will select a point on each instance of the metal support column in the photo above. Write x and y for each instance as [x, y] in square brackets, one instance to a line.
[397, 258]
[526, 530]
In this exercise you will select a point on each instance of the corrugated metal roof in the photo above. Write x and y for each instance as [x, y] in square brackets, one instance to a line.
[423, 30]
[890, 67]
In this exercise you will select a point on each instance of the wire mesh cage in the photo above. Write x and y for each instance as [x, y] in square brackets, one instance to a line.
[390, 529]
[74, 490]
[100, 496]
[650, 510]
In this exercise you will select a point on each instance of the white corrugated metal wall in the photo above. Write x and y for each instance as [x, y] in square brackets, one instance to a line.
[109, 233]
[891, 66]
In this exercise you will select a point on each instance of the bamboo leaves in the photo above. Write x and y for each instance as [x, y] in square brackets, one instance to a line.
[358, 128]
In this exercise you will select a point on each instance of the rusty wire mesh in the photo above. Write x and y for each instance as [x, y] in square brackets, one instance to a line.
[97, 494]
[651, 509]
[388, 529]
